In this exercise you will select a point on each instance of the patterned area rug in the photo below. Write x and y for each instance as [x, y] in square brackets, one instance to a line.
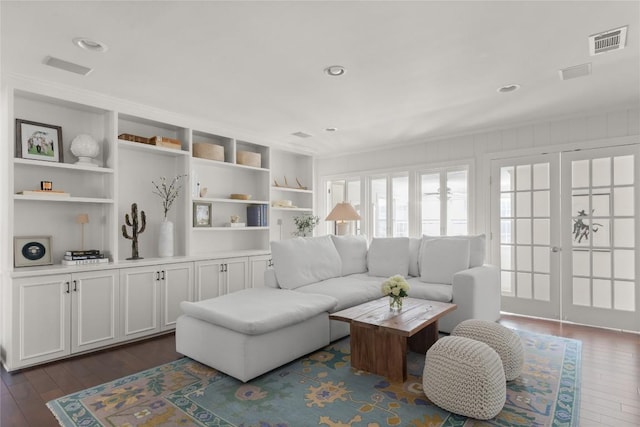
[322, 390]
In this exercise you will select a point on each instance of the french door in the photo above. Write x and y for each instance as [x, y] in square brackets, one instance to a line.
[565, 228]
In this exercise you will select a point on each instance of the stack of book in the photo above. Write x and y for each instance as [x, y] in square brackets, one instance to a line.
[91, 256]
[257, 215]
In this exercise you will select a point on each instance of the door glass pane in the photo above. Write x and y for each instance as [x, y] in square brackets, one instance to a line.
[624, 232]
[602, 293]
[400, 189]
[523, 177]
[541, 287]
[507, 282]
[541, 204]
[457, 209]
[523, 258]
[506, 205]
[353, 196]
[601, 233]
[600, 204]
[581, 263]
[623, 262]
[601, 172]
[506, 179]
[541, 259]
[623, 170]
[601, 264]
[541, 231]
[506, 257]
[379, 206]
[523, 204]
[524, 288]
[580, 173]
[541, 176]
[430, 185]
[523, 231]
[624, 296]
[623, 201]
[581, 291]
[506, 231]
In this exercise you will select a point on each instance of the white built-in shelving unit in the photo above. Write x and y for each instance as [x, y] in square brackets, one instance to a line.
[207, 261]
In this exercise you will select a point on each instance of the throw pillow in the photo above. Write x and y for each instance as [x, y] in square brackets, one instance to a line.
[477, 247]
[353, 253]
[414, 256]
[388, 256]
[303, 260]
[442, 258]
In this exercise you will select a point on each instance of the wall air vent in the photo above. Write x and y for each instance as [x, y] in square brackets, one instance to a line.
[302, 135]
[67, 66]
[608, 41]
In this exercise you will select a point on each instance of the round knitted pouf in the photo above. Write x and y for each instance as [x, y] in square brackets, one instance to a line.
[465, 377]
[500, 338]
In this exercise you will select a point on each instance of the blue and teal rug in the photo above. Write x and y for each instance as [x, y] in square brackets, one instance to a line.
[322, 390]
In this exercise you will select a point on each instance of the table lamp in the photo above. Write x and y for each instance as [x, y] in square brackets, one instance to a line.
[82, 219]
[342, 213]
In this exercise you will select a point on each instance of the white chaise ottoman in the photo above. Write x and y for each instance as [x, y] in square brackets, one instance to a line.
[247, 333]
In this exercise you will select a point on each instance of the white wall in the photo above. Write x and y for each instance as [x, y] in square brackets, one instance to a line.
[603, 127]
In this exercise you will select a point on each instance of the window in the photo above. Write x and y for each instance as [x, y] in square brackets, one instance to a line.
[444, 195]
[343, 190]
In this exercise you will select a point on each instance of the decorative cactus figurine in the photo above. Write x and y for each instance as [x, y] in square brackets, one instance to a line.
[135, 230]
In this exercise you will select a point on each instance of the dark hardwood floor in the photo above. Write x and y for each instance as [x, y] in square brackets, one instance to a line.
[610, 375]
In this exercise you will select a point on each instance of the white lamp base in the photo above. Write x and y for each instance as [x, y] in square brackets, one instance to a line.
[342, 228]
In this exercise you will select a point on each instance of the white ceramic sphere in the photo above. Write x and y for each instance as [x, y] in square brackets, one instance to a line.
[84, 147]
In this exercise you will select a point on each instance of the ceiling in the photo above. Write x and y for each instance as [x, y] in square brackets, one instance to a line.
[416, 70]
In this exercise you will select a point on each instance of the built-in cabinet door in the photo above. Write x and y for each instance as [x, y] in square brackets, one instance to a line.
[237, 274]
[177, 286]
[140, 297]
[258, 265]
[41, 322]
[94, 309]
[209, 278]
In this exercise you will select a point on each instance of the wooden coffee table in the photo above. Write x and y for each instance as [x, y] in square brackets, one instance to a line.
[379, 337]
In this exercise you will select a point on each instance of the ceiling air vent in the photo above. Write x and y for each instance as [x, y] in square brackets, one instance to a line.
[608, 41]
[67, 66]
[575, 71]
[302, 135]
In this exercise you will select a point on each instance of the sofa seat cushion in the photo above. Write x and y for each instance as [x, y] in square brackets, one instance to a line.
[431, 291]
[258, 311]
[348, 290]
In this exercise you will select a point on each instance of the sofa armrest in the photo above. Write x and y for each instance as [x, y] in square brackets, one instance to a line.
[476, 291]
[270, 280]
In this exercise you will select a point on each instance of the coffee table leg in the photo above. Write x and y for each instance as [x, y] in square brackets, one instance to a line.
[424, 339]
[379, 352]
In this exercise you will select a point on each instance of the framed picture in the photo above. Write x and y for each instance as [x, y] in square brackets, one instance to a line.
[201, 214]
[38, 141]
[29, 251]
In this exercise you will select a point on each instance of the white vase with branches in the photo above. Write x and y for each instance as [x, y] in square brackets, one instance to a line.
[168, 192]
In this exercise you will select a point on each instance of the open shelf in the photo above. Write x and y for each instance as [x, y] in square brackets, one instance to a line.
[62, 199]
[138, 146]
[291, 189]
[229, 228]
[70, 166]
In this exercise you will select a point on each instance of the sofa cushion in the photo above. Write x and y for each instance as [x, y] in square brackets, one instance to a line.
[348, 290]
[303, 260]
[431, 291]
[477, 247]
[259, 310]
[414, 256]
[388, 256]
[353, 253]
[442, 258]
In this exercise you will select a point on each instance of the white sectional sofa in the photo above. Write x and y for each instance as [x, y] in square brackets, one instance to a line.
[250, 332]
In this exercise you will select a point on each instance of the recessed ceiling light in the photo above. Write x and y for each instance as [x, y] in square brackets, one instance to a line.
[509, 88]
[89, 44]
[331, 129]
[335, 70]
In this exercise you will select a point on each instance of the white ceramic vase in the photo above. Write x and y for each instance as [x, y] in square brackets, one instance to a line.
[165, 240]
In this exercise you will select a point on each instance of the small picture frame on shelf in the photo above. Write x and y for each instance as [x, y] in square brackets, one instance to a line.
[201, 214]
[38, 141]
[31, 251]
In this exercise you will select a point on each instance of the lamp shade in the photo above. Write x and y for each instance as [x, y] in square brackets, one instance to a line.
[343, 212]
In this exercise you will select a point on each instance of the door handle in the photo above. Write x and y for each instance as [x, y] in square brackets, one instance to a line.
[555, 249]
